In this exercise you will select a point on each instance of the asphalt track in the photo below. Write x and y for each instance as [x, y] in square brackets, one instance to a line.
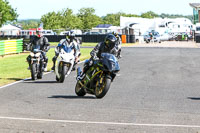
[156, 91]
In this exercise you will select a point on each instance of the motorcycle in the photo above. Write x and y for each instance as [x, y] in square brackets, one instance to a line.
[64, 62]
[37, 63]
[118, 53]
[98, 78]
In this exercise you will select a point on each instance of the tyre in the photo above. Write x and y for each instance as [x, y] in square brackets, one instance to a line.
[33, 72]
[40, 74]
[102, 88]
[62, 74]
[57, 79]
[79, 90]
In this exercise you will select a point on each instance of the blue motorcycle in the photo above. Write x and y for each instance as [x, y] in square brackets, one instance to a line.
[98, 78]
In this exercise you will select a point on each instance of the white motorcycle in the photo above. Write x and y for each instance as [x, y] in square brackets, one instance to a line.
[64, 63]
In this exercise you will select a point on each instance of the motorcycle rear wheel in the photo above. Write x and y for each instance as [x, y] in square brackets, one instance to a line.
[102, 88]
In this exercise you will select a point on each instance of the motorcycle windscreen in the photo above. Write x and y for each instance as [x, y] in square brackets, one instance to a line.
[35, 48]
[67, 48]
[110, 61]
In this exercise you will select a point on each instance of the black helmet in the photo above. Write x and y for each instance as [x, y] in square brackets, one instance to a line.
[110, 41]
[38, 33]
[115, 34]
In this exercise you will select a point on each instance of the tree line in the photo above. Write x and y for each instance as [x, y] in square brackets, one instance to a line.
[66, 19]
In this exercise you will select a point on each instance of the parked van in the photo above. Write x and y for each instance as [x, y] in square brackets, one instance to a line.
[48, 32]
[76, 32]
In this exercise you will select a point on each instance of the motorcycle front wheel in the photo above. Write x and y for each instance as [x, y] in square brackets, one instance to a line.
[79, 90]
[102, 87]
[63, 73]
[40, 73]
[33, 71]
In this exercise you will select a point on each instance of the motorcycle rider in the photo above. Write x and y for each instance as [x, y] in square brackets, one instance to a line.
[107, 46]
[42, 42]
[119, 43]
[70, 39]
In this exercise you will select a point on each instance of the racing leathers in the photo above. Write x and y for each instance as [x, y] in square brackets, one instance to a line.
[96, 54]
[42, 44]
[60, 46]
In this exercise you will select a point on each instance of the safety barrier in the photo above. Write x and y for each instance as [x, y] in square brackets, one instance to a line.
[11, 46]
[84, 38]
[123, 37]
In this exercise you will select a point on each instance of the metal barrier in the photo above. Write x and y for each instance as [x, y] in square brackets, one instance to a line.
[11, 46]
[84, 38]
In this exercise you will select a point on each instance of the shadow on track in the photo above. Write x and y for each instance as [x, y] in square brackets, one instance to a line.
[40, 82]
[16, 79]
[72, 97]
[194, 98]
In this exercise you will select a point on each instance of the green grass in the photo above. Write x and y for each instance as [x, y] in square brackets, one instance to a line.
[89, 44]
[94, 44]
[53, 43]
[14, 67]
[83, 44]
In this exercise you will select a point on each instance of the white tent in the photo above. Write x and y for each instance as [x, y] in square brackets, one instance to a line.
[9, 30]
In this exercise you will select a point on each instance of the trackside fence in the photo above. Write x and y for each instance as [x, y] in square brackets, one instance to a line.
[11, 46]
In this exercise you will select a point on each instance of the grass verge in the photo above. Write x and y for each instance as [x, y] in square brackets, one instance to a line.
[14, 67]
[94, 44]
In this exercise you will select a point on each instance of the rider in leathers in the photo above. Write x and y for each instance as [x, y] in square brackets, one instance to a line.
[41, 41]
[70, 38]
[108, 46]
[118, 45]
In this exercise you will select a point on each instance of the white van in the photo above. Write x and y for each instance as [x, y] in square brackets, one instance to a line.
[76, 32]
[47, 32]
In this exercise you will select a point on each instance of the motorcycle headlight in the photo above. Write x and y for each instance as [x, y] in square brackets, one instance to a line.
[31, 54]
[37, 55]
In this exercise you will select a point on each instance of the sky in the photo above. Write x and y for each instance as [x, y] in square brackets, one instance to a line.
[34, 9]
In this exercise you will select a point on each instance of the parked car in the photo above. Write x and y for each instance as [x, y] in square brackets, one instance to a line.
[155, 38]
[76, 32]
[92, 33]
[48, 32]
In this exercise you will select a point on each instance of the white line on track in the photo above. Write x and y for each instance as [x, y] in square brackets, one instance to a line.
[20, 81]
[27, 79]
[95, 122]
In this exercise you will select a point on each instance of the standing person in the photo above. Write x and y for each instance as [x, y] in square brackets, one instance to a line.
[118, 44]
[41, 43]
[151, 37]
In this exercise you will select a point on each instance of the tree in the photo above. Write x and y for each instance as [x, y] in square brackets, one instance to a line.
[52, 20]
[149, 14]
[29, 23]
[70, 21]
[64, 19]
[88, 18]
[7, 13]
[114, 19]
[163, 15]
